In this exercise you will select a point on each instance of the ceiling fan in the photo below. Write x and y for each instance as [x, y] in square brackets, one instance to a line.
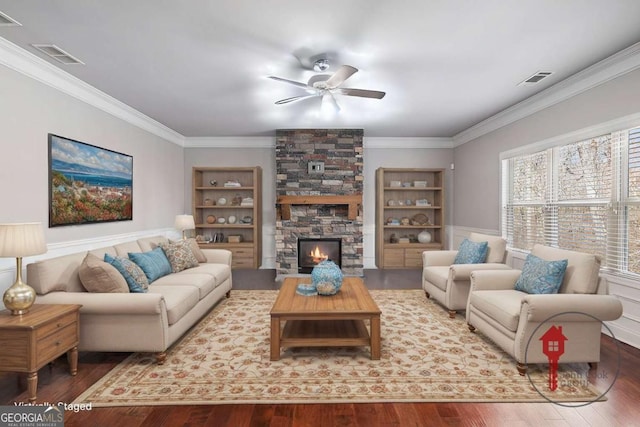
[325, 86]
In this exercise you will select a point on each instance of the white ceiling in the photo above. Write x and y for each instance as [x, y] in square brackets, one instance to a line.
[199, 67]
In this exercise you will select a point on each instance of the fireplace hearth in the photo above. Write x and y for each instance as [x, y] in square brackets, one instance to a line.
[313, 251]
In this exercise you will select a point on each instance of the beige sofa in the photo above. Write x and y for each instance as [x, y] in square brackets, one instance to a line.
[449, 283]
[516, 321]
[134, 322]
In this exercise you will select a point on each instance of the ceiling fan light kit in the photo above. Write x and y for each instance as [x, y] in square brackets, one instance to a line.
[326, 85]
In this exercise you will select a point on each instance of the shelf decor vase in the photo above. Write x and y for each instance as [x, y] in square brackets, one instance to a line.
[327, 278]
[424, 237]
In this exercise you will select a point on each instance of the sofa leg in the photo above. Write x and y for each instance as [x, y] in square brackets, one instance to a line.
[161, 357]
[471, 327]
[522, 368]
[427, 294]
[452, 314]
[228, 294]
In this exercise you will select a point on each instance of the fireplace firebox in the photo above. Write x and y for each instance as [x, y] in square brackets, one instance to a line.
[314, 251]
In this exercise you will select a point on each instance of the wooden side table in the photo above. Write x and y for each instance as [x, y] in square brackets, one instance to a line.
[30, 341]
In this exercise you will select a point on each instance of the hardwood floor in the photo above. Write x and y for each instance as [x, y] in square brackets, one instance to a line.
[56, 385]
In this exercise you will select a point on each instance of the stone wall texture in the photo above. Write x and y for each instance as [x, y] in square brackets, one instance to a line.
[341, 151]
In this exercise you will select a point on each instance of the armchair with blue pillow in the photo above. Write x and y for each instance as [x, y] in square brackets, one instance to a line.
[446, 274]
[555, 288]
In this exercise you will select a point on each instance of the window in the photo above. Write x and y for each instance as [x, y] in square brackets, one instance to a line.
[582, 196]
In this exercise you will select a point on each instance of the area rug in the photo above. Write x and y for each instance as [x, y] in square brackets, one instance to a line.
[426, 357]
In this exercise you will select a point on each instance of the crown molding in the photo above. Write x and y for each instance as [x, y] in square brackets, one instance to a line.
[24, 62]
[616, 65]
[230, 142]
[407, 142]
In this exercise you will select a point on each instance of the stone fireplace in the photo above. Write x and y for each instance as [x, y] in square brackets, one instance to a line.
[319, 183]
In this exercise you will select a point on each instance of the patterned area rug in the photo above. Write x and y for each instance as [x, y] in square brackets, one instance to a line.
[426, 357]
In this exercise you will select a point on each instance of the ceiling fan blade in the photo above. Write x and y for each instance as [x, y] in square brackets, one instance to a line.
[343, 73]
[329, 103]
[364, 93]
[292, 82]
[296, 98]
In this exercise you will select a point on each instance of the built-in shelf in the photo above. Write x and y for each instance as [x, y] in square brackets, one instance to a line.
[244, 240]
[403, 195]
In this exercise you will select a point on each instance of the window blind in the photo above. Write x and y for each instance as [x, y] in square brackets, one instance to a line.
[582, 196]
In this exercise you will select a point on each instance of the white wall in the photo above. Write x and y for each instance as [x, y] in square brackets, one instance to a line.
[29, 110]
[265, 158]
[477, 169]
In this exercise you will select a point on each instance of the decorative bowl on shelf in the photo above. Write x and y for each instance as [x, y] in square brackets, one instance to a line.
[232, 219]
[211, 219]
[222, 201]
[221, 220]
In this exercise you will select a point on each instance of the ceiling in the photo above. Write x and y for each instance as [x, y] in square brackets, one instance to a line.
[200, 67]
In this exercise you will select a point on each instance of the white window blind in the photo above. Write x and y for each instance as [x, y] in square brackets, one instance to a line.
[582, 196]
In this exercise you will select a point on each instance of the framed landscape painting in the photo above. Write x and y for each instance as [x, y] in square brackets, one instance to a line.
[88, 184]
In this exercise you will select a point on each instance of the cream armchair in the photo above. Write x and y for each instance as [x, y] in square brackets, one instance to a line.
[449, 283]
[516, 321]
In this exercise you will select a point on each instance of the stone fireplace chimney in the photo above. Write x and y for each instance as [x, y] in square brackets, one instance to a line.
[319, 162]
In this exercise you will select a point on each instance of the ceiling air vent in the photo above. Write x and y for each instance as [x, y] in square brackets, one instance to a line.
[58, 54]
[536, 78]
[7, 21]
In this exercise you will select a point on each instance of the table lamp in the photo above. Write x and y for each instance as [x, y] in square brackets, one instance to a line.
[20, 240]
[185, 222]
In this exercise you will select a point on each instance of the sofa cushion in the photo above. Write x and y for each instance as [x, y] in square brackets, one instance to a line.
[496, 246]
[178, 299]
[471, 252]
[154, 263]
[99, 276]
[204, 282]
[132, 273]
[503, 306]
[581, 276]
[540, 276]
[437, 275]
[150, 243]
[56, 274]
[180, 255]
[220, 272]
[122, 249]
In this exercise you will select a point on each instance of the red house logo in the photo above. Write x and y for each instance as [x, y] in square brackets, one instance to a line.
[553, 347]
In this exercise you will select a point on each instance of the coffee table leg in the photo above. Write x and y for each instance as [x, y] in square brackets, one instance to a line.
[375, 337]
[275, 338]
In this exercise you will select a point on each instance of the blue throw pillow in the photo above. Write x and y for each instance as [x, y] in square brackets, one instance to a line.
[540, 276]
[472, 252]
[135, 277]
[154, 263]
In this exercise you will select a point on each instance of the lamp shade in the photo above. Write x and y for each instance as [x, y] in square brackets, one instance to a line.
[21, 240]
[185, 222]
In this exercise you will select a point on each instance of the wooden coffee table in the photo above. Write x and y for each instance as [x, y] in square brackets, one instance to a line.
[325, 321]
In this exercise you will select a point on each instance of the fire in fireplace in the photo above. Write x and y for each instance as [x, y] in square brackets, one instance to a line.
[314, 251]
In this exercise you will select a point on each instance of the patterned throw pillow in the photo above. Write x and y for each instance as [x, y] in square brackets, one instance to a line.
[540, 276]
[180, 255]
[195, 248]
[99, 276]
[472, 252]
[154, 263]
[135, 277]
